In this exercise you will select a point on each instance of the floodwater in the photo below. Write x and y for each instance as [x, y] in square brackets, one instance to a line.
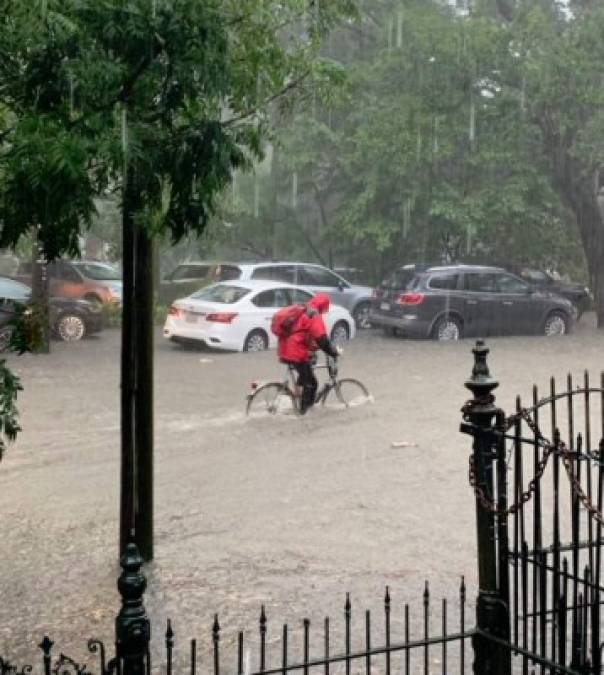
[283, 511]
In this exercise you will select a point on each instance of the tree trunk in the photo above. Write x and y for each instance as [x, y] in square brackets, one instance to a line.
[578, 194]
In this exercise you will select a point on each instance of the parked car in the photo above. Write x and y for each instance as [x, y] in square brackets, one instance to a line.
[577, 293]
[189, 277]
[70, 320]
[450, 302]
[236, 315]
[90, 280]
[314, 278]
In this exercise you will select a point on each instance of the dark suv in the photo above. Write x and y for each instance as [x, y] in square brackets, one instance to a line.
[450, 302]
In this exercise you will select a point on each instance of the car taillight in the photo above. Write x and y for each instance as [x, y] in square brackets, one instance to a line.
[254, 385]
[173, 311]
[410, 299]
[221, 317]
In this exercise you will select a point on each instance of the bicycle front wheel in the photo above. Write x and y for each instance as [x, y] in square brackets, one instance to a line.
[347, 393]
[271, 398]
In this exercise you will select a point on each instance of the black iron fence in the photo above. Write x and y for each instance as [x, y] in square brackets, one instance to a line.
[539, 606]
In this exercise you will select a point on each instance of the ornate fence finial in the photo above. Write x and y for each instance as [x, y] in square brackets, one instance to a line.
[481, 384]
[132, 626]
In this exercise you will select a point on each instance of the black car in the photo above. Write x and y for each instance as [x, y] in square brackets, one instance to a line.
[541, 280]
[449, 302]
[70, 320]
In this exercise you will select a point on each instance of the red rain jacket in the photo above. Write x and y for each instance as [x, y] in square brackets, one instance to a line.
[309, 328]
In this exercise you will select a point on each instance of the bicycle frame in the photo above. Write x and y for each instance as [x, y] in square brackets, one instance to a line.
[290, 381]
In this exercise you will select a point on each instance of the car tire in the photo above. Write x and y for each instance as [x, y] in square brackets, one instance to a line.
[340, 333]
[556, 323]
[447, 329]
[70, 327]
[5, 334]
[361, 315]
[256, 341]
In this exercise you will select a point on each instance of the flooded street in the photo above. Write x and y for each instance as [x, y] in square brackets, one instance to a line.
[287, 512]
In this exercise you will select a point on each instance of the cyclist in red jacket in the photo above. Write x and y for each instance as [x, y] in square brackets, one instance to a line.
[308, 333]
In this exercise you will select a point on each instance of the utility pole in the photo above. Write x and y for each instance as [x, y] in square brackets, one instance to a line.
[136, 497]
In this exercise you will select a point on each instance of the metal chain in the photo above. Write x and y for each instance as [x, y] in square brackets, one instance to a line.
[548, 449]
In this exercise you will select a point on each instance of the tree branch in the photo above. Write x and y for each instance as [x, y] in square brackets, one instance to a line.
[271, 99]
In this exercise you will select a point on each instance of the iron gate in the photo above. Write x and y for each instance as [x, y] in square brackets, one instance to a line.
[538, 480]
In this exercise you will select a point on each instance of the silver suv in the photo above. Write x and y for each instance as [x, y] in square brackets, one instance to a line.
[315, 278]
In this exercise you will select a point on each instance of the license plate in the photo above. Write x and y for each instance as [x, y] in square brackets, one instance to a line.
[190, 317]
[385, 306]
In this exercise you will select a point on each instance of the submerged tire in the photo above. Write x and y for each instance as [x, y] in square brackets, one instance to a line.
[71, 327]
[256, 341]
[270, 399]
[447, 328]
[556, 323]
[347, 393]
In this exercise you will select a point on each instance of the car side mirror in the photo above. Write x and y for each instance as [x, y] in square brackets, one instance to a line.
[341, 286]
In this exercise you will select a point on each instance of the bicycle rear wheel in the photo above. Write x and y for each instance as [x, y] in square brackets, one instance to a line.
[347, 393]
[271, 398]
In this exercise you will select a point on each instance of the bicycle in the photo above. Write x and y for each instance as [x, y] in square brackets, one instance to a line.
[283, 397]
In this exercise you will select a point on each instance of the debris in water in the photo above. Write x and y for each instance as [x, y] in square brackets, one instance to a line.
[403, 444]
[206, 360]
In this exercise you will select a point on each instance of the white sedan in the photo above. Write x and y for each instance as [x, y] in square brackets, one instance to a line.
[236, 315]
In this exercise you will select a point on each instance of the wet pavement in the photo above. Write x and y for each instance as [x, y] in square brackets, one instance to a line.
[286, 512]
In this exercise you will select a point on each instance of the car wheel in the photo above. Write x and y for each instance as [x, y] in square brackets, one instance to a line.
[389, 331]
[5, 334]
[556, 324]
[447, 328]
[340, 333]
[361, 315]
[71, 327]
[256, 341]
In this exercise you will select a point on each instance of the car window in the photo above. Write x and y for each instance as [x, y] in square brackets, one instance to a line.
[278, 297]
[13, 290]
[100, 271]
[191, 272]
[227, 272]
[221, 293]
[536, 276]
[275, 273]
[265, 299]
[299, 297]
[481, 282]
[446, 282]
[63, 272]
[317, 276]
[509, 284]
[400, 279]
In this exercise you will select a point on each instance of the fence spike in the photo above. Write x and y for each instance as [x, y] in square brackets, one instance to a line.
[240, 653]
[169, 646]
[193, 656]
[262, 638]
[306, 644]
[284, 653]
[347, 617]
[215, 640]
[326, 644]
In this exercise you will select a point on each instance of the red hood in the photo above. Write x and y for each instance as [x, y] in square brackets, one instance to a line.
[320, 302]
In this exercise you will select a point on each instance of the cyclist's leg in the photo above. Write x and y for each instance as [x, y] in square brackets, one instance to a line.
[309, 384]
